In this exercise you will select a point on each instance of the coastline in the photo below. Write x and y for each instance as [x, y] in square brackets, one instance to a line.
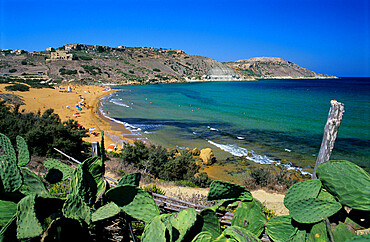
[64, 104]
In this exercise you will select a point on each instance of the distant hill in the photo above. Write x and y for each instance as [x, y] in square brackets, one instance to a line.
[271, 67]
[104, 64]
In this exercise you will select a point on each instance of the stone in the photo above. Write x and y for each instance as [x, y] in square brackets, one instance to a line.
[207, 156]
[195, 152]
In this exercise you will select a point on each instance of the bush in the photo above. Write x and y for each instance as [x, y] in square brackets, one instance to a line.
[156, 69]
[18, 87]
[93, 70]
[131, 71]
[64, 71]
[202, 180]
[24, 62]
[82, 57]
[154, 189]
[12, 70]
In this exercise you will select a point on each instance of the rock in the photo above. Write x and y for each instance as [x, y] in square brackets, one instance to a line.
[207, 156]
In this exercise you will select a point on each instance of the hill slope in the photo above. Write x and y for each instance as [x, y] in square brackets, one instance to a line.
[92, 63]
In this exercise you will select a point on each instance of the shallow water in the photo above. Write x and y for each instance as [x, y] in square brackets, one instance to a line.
[269, 120]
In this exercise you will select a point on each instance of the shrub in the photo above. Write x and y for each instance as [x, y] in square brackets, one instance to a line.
[202, 180]
[24, 62]
[154, 189]
[12, 70]
[82, 57]
[64, 71]
[156, 69]
[93, 70]
[18, 87]
[131, 71]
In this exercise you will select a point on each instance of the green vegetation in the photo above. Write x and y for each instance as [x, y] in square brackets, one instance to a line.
[64, 71]
[12, 70]
[24, 62]
[93, 70]
[30, 212]
[18, 87]
[160, 163]
[42, 132]
[33, 83]
[156, 69]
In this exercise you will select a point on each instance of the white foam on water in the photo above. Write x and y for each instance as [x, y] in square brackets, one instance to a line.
[250, 155]
[288, 150]
[239, 137]
[128, 126]
[117, 102]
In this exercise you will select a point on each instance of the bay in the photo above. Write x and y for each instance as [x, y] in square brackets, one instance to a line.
[266, 121]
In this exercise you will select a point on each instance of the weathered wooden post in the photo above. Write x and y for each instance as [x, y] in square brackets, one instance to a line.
[330, 133]
[95, 149]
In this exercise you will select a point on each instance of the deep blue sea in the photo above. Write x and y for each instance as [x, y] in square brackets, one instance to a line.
[272, 120]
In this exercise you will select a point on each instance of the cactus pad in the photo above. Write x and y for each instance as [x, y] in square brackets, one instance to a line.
[211, 223]
[95, 167]
[74, 207]
[203, 237]
[359, 238]
[134, 201]
[185, 222]
[349, 183]
[23, 153]
[302, 190]
[58, 165]
[239, 234]
[158, 229]
[224, 190]
[132, 179]
[32, 183]
[280, 228]
[84, 185]
[312, 210]
[10, 174]
[7, 211]
[28, 226]
[343, 232]
[318, 233]
[107, 211]
[8, 233]
[249, 216]
[7, 147]
[324, 195]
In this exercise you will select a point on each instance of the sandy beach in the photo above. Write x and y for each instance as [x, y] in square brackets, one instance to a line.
[65, 104]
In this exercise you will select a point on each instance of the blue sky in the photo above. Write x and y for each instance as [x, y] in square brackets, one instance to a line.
[330, 37]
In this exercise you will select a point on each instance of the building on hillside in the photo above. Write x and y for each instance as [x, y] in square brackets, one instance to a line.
[60, 55]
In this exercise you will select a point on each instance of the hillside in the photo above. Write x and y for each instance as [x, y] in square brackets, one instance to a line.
[92, 63]
[271, 67]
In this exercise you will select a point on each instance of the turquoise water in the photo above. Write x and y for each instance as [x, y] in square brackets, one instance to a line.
[272, 120]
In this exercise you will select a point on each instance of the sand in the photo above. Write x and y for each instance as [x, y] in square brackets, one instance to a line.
[64, 104]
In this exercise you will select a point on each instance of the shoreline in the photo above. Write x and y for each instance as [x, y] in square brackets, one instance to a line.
[65, 103]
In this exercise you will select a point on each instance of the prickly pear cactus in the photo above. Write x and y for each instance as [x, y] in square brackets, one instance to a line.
[95, 167]
[7, 211]
[134, 201]
[10, 174]
[249, 216]
[8, 233]
[302, 190]
[203, 237]
[318, 233]
[185, 222]
[23, 153]
[75, 208]
[132, 179]
[359, 238]
[343, 231]
[55, 164]
[32, 183]
[239, 234]
[158, 229]
[28, 226]
[280, 228]
[324, 195]
[312, 210]
[107, 211]
[7, 147]
[84, 185]
[211, 224]
[349, 183]
[224, 190]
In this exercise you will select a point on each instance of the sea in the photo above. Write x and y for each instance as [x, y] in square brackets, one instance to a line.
[270, 121]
